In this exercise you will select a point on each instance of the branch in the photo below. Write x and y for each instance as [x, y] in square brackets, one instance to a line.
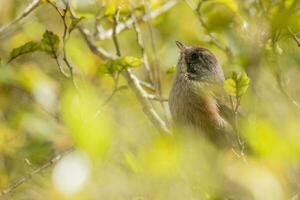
[129, 23]
[294, 36]
[131, 79]
[141, 44]
[134, 84]
[214, 40]
[155, 98]
[29, 8]
[156, 66]
[26, 178]
[65, 38]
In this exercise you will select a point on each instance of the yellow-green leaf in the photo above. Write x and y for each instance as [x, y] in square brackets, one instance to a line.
[230, 87]
[121, 63]
[129, 62]
[28, 47]
[237, 85]
[171, 70]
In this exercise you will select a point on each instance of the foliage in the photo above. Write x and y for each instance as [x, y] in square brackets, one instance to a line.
[101, 104]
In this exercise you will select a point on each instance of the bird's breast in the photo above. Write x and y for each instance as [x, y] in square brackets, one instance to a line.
[188, 106]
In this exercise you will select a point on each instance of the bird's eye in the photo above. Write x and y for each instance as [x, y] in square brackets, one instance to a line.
[194, 56]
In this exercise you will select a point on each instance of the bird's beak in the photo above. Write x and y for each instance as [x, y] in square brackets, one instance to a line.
[182, 47]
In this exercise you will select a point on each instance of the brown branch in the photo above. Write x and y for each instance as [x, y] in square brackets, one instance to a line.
[29, 176]
[131, 79]
[129, 23]
[29, 8]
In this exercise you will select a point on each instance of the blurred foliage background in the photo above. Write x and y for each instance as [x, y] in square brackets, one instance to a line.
[119, 154]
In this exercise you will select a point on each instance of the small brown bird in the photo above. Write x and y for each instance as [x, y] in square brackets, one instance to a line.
[197, 95]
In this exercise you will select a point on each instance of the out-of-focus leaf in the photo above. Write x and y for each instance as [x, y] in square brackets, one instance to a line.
[86, 8]
[90, 129]
[161, 158]
[74, 23]
[218, 16]
[110, 10]
[28, 47]
[49, 43]
[232, 4]
[237, 85]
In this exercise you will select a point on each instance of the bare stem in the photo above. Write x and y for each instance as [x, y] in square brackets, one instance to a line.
[132, 81]
[129, 23]
[141, 44]
[65, 38]
[26, 178]
[29, 8]
[156, 68]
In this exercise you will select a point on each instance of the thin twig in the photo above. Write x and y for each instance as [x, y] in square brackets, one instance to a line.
[65, 38]
[278, 75]
[155, 98]
[114, 36]
[294, 36]
[125, 25]
[147, 85]
[156, 67]
[26, 178]
[141, 44]
[132, 81]
[214, 40]
[29, 8]
[116, 89]
[134, 84]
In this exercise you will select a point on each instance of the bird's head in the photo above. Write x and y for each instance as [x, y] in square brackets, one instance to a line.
[198, 64]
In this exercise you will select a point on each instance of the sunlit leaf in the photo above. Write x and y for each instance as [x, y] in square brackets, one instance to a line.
[129, 62]
[49, 43]
[237, 85]
[121, 63]
[171, 70]
[29, 47]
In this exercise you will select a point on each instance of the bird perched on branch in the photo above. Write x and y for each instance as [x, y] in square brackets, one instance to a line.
[197, 96]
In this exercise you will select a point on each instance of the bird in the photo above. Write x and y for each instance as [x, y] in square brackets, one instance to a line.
[197, 99]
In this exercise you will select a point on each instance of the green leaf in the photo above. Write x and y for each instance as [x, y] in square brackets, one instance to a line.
[74, 23]
[49, 43]
[129, 62]
[230, 87]
[237, 85]
[121, 63]
[171, 70]
[28, 47]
